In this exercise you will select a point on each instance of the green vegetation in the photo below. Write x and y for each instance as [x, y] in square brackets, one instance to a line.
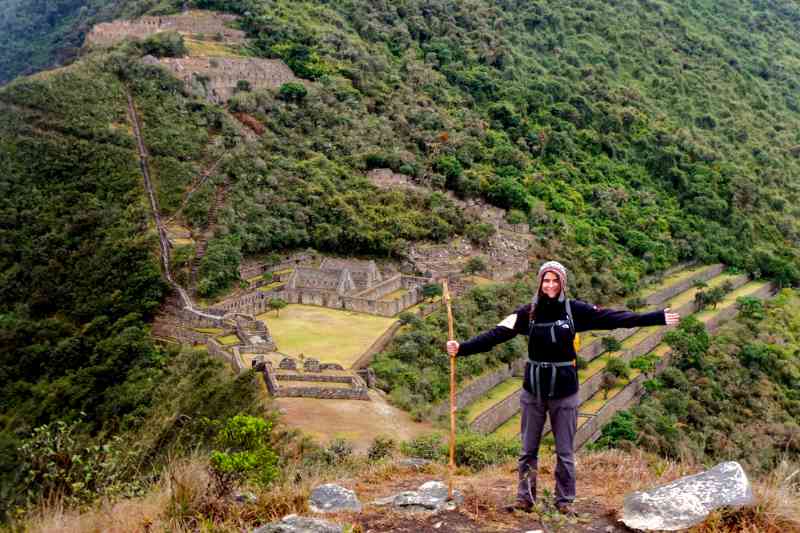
[629, 136]
[247, 454]
[731, 397]
[473, 450]
[493, 396]
[36, 34]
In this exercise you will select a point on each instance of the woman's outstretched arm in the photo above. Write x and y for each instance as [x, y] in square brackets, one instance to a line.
[511, 326]
[588, 317]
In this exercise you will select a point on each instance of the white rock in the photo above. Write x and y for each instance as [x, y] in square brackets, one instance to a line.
[687, 501]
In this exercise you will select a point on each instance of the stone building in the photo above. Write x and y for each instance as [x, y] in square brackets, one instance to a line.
[202, 23]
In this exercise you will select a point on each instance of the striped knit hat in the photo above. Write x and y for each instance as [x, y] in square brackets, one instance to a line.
[559, 270]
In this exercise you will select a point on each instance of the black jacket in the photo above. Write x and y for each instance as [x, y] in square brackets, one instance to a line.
[541, 346]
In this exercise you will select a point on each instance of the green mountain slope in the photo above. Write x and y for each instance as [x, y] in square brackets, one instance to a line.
[629, 135]
[731, 397]
[37, 34]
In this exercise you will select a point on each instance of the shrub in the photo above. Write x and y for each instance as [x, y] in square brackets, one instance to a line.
[338, 451]
[750, 307]
[610, 344]
[382, 446]
[425, 446]
[407, 317]
[479, 451]
[56, 464]
[247, 454]
[292, 92]
[689, 342]
[431, 290]
[480, 232]
[474, 265]
[609, 381]
[621, 428]
[618, 368]
[164, 44]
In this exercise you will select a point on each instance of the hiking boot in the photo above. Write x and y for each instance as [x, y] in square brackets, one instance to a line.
[566, 509]
[520, 505]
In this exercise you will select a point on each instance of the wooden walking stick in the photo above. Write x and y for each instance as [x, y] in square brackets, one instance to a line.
[451, 337]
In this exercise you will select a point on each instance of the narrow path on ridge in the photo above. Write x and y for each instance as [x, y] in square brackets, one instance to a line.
[162, 232]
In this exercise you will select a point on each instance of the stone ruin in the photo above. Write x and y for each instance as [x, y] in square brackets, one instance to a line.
[506, 252]
[316, 380]
[205, 23]
[216, 78]
[348, 284]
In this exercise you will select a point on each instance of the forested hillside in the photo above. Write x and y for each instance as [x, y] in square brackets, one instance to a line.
[629, 135]
[732, 397]
[37, 34]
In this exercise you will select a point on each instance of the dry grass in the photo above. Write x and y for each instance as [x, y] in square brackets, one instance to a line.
[777, 509]
[182, 501]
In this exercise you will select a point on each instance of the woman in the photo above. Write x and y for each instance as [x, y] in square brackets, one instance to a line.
[551, 377]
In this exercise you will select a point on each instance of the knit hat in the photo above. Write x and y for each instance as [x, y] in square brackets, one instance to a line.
[559, 270]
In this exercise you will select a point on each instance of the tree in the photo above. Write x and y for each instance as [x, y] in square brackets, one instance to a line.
[277, 304]
[474, 265]
[292, 92]
[431, 290]
[618, 368]
[645, 363]
[689, 342]
[480, 232]
[165, 44]
[609, 382]
[610, 344]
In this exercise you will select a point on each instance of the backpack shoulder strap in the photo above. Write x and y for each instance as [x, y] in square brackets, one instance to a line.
[569, 315]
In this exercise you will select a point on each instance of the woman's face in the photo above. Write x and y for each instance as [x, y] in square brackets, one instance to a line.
[551, 286]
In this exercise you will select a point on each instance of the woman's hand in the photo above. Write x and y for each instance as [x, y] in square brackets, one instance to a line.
[452, 348]
[670, 317]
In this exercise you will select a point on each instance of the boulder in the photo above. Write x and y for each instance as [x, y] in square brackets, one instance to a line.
[331, 498]
[430, 496]
[687, 501]
[300, 524]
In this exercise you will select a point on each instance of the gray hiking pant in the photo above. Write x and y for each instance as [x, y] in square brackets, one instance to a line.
[563, 421]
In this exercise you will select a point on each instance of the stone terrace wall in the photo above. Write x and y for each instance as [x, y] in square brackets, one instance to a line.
[215, 349]
[272, 379]
[313, 376]
[592, 429]
[480, 386]
[376, 347]
[209, 24]
[731, 311]
[593, 350]
[180, 334]
[223, 73]
[669, 292]
[497, 414]
[624, 399]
